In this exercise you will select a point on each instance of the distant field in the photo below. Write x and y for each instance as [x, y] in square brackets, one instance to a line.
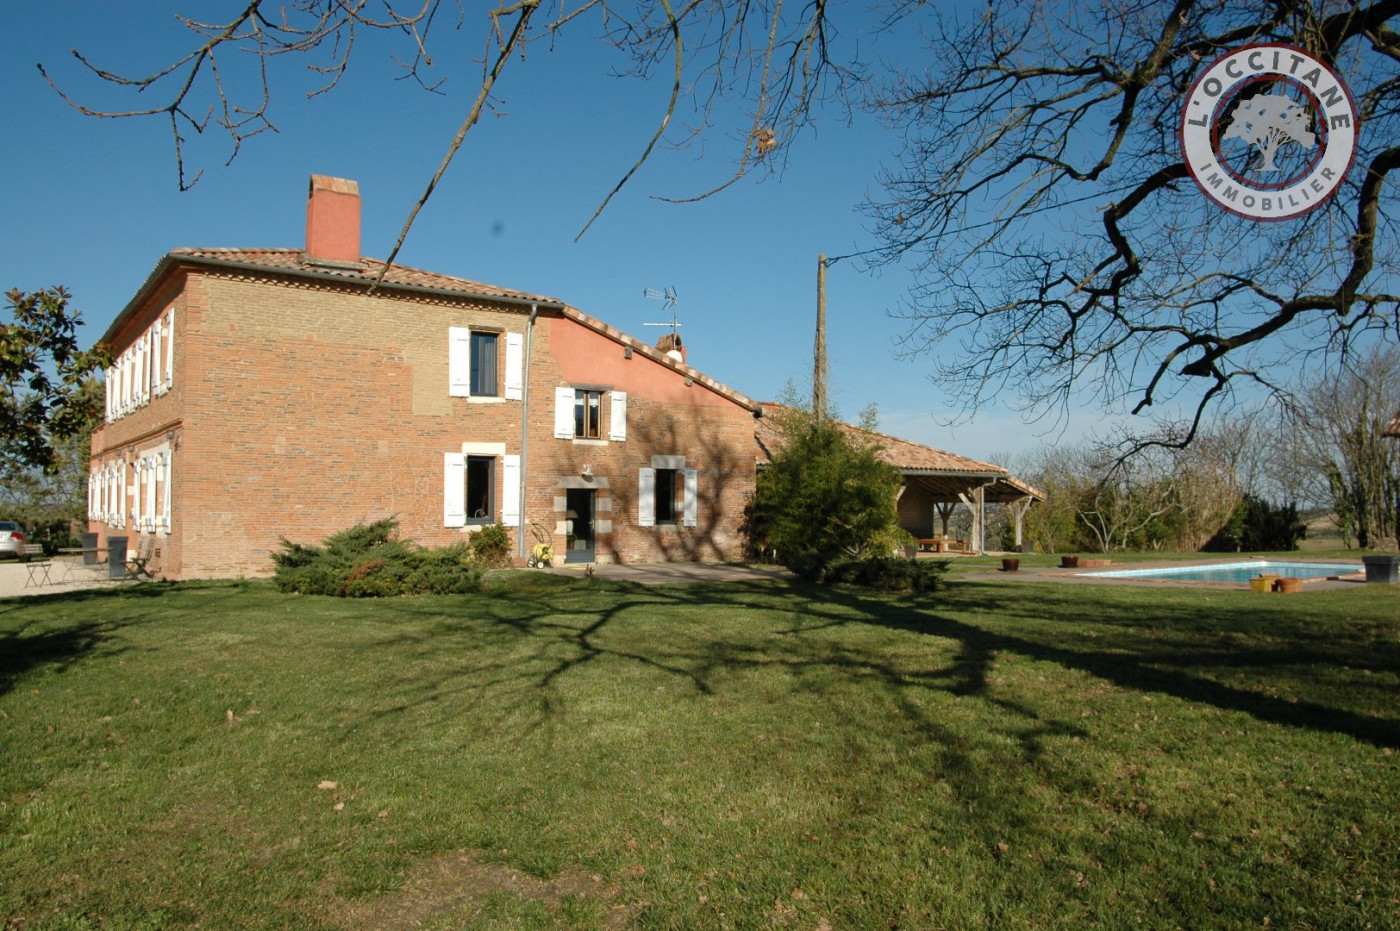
[566, 753]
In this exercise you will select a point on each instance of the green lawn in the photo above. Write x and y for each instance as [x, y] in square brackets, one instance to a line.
[566, 753]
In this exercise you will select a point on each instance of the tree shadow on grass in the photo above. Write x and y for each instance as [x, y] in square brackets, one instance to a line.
[1135, 654]
[56, 643]
[1167, 648]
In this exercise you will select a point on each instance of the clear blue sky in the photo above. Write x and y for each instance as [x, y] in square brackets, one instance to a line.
[93, 204]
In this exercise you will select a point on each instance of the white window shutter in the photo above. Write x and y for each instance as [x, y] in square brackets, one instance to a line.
[689, 498]
[515, 366]
[454, 490]
[510, 491]
[151, 492]
[459, 362]
[564, 413]
[146, 366]
[138, 395]
[167, 462]
[170, 349]
[139, 467]
[110, 382]
[617, 426]
[157, 357]
[646, 497]
[125, 493]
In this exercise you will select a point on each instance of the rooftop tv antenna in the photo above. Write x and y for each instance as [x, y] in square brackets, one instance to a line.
[671, 346]
[668, 297]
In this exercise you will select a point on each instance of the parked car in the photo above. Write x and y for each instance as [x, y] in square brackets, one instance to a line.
[11, 538]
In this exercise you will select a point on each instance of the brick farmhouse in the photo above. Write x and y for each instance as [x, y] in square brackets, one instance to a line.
[261, 394]
[258, 395]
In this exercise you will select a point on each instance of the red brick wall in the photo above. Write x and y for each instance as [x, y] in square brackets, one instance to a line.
[302, 410]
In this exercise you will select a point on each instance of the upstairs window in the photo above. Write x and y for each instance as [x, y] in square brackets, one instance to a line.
[483, 365]
[588, 414]
[578, 414]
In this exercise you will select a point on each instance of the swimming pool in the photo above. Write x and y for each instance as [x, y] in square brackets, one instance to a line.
[1237, 572]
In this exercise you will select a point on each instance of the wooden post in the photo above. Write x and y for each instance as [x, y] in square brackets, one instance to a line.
[819, 367]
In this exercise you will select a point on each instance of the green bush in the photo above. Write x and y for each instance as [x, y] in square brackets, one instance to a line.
[825, 496]
[491, 546]
[888, 573]
[370, 561]
[1259, 525]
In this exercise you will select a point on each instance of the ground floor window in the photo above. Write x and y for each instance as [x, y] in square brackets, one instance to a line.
[667, 493]
[664, 506]
[474, 480]
[480, 489]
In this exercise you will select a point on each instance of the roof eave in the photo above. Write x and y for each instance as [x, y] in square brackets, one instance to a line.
[171, 259]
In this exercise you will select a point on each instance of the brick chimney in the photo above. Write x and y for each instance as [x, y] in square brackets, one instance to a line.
[332, 220]
[671, 344]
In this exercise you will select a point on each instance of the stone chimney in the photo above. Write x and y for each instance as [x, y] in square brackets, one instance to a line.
[332, 220]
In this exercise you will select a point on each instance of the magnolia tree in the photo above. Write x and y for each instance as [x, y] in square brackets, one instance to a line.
[43, 400]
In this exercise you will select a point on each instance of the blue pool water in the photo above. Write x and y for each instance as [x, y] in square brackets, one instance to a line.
[1237, 572]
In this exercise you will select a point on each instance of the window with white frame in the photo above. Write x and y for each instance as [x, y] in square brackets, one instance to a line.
[578, 413]
[474, 364]
[145, 502]
[474, 480]
[667, 489]
[145, 370]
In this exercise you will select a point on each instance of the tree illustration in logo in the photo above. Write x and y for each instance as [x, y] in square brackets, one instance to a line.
[1268, 121]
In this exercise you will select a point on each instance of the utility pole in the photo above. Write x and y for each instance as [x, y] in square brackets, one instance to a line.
[819, 368]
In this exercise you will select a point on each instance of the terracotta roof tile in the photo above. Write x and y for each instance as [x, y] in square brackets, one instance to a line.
[296, 262]
[899, 453]
[910, 458]
[363, 272]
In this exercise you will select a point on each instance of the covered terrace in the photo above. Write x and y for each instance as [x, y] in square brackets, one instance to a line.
[936, 484]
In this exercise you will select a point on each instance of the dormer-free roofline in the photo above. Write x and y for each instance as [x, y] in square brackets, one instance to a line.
[290, 263]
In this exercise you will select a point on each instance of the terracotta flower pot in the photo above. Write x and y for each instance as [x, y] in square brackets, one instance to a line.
[1288, 586]
[1010, 565]
[1069, 562]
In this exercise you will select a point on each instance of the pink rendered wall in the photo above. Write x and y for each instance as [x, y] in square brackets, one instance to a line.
[588, 357]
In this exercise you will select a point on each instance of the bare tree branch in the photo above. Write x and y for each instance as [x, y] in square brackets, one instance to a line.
[1031, 110]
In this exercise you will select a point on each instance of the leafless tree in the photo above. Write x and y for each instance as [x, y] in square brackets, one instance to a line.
[1060, 248]
[773, 56]
[1340, 444]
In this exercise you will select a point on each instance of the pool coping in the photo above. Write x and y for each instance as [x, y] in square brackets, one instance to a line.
[1081, 576]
